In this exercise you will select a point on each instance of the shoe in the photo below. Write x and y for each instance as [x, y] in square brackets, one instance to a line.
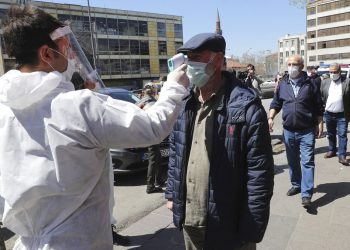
[119, 239]
[154, 189]
[330, 154]
[343, 161]
[293, 191]
[306, 202]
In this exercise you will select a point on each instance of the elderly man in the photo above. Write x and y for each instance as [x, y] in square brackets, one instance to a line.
[301, 103]
[336, 98]
[220, 177]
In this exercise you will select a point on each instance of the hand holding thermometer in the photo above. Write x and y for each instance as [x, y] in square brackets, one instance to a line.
[176, 61]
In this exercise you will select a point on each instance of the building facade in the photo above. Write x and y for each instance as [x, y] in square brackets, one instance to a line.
[328, 32]
[290, 45]
[131, 47]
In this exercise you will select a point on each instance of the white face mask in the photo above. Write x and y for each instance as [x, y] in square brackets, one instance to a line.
[197, 73]
[334, 77]
[293, 71]
[70, 70]
[68, 73]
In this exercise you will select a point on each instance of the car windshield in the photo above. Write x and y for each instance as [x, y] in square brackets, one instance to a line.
[124, 96]
[321, 72]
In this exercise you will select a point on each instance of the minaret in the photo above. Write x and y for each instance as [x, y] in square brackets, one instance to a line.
[218, 26]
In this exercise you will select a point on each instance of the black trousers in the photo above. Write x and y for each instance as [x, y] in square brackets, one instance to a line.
[153, 172]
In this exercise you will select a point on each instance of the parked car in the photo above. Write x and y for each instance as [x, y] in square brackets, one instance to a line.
[132, 160]
[267, 89]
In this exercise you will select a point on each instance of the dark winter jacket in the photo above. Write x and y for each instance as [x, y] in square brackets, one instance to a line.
[301, 112]
[345, 82]
[241, 170]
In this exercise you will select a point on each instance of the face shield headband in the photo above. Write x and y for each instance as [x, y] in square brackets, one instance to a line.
[79, 64]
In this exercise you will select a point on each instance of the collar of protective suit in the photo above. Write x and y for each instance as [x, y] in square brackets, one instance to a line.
[20, 90]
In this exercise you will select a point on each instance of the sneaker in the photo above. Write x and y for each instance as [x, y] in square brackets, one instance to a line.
[118, 239]
[306, 202]
[293, 191]
[153, 189]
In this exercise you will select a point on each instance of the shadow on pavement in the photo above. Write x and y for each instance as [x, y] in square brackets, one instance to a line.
[332, 192]
[168, 238]
[279, 169]
[321, 150]
[134, 179]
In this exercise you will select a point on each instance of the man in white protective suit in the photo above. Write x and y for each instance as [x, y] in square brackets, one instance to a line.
[54, 141]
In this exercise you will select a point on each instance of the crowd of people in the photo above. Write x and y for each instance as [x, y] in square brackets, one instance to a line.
[55, 167]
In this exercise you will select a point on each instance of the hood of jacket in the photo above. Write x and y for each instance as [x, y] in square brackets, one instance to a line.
[20, 90]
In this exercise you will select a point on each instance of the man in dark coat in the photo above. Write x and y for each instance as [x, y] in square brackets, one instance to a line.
[300, 100]
[220, 177]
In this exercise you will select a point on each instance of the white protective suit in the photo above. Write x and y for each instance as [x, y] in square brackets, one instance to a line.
[54, 156]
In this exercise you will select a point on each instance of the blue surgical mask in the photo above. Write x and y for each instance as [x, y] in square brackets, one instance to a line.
[197, 73]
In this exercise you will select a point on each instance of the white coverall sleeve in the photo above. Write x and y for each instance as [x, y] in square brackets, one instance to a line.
[126, 125]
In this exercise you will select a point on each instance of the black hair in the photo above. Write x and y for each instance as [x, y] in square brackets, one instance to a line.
[26, 29]
[251, 66]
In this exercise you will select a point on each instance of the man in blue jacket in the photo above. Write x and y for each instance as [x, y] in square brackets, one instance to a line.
[301, 103]
[220, 177]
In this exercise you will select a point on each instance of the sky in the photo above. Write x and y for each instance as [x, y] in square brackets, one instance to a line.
[249, 26]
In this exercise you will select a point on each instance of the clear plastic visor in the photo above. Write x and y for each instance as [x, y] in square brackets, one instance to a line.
[74, 53]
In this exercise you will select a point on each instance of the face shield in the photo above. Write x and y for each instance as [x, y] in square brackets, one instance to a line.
[78, 64]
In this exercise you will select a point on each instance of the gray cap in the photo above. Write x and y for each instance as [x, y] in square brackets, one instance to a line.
[204, 41]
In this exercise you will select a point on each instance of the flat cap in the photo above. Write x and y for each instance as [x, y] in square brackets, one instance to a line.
[203, 41]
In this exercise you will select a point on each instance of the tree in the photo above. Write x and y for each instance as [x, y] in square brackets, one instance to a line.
[300, 3]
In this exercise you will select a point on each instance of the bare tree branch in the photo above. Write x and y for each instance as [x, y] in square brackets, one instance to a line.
[300, 3]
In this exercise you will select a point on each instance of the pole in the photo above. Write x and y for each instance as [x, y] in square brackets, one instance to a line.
[91, 37]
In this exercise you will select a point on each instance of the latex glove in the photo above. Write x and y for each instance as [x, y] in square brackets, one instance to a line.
[179, 75]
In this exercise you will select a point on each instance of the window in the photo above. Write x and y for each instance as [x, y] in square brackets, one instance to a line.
[162, 48]
[334, 43]
[112, 26]
[124, 47]
[103, 46]
[143, 28]
[133, 28]
[302, 42]
[135, 66]
[311, 10]
[161, 29]
[333, 5]
[292, 42]
[123, 27]
[115, 67]
[144, 48]
[101, 25]
[178, 45]
[134, 47]
[334, 31]
[178, 30]
[334, 18]
[145, 68]
[293, 52]
[311, 46]
[281, 45]
[287, 53]
[125, 66]
[312, 58]
[311, 34]
[114, 46]
[104, 67]
[163, 65]
[281, 54]
[302, 52]
[311, 23]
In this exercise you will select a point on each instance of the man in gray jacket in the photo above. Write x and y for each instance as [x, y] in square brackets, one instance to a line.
[336, 98]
